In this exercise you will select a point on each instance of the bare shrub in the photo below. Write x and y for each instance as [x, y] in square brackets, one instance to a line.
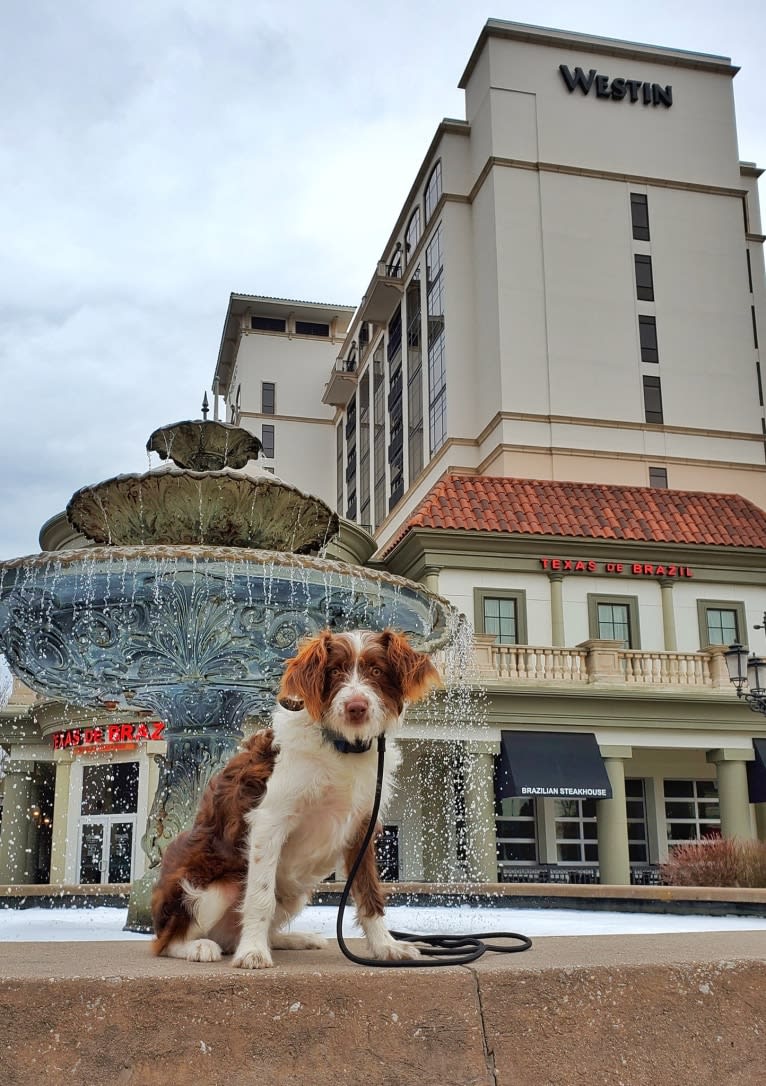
[716, 861]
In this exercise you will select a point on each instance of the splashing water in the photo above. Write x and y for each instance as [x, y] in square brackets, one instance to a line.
[6, 682]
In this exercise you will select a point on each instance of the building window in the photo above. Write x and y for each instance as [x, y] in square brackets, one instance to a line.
[267, 440]
[639, 213]
[311, 328]
[364, 449]
[437, 367]
[644, 278]
[755, 327]
[378, 435]
[268, 397]
[339, 469]
[414, 379]
[502, 614]
[515, 827]
[576, 841]
[412, 236]
[614, 618]
[658, 477]
[647, 330]
[635, 809]
[749, 271]
[691, 810]
[652, 400]
[268, 324]
[387, 853]
[433, 190]
[721, 622]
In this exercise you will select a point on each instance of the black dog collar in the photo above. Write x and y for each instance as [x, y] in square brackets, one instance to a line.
[343, 746]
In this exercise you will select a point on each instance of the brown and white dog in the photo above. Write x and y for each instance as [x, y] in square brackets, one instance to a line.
[292, 808]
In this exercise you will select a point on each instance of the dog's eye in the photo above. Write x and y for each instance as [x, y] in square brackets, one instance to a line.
[336, 672]
[375, 672]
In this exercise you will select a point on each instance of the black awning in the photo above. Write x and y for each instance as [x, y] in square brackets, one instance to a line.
[756, 773]
[562, 764]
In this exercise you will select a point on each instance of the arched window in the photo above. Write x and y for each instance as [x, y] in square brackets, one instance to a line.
[433, 190]
[412, 237]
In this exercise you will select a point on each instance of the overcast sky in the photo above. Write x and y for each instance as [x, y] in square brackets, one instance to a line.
[156, 155]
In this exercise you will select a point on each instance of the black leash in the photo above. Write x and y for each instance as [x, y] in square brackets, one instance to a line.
[438, 949]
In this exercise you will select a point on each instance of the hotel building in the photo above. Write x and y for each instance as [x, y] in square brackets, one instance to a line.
[547, 407]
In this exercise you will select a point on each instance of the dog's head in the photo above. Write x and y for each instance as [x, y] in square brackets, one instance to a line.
[357, 684]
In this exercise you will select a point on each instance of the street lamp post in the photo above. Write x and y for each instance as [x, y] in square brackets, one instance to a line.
[748, 673]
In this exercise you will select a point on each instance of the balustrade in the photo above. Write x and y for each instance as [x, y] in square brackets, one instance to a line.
[597, 661]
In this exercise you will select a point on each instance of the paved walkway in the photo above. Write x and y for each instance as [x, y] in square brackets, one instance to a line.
[660, 1010]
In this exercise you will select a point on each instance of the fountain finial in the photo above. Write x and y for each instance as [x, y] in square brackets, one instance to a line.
[205, 407]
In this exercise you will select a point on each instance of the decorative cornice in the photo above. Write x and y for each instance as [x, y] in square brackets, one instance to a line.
[602, 175]
[562, 39]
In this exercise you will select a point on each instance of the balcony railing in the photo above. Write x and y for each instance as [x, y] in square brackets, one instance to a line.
[342, 383]
[599, 661]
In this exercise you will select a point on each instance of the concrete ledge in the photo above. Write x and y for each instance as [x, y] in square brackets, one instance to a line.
[636, 1010]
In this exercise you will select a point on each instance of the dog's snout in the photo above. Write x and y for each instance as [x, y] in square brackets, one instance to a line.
[357, 708]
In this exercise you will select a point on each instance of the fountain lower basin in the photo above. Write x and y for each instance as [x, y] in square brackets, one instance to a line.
[195, 633]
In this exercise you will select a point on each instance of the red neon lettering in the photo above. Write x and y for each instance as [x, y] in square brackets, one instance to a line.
[591, 567]
[556, 563]
[637, 567]
[113, 733]
[142, 732]
[672, 570]
[660, 571]
[158, 730]
[689, 572]
[544, 563]
[126, 733]
[648, 568]
[568, 563]
[580, 567]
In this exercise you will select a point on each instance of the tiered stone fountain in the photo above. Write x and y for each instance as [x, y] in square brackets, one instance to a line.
[196, 584]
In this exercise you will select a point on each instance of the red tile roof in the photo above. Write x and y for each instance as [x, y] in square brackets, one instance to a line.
[486, 503]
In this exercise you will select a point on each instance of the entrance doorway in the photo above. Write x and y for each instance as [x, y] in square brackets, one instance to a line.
[105, 852]
[107, 836]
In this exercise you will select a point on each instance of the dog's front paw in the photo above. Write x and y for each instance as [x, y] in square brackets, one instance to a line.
[203, 950]
[297, 940]
[394, 951]
[252, 958]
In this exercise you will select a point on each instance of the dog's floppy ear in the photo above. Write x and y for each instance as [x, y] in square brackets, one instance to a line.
[417, 675]
[304, 674]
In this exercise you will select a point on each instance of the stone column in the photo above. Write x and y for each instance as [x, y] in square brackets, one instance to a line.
[732, 790]
[668, 616]
[430, 579]
[557, 609]
[612, 821]
[480, 812]
[438, 814]
[60, 828]
[760, 820]
[14, 834]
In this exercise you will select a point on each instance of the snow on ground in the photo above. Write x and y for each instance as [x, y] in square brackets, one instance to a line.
[102, 923]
